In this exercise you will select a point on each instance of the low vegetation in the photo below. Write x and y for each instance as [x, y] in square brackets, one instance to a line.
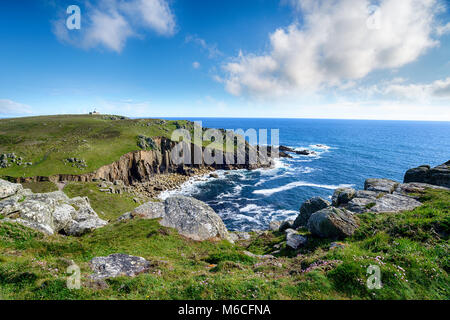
[411, 249]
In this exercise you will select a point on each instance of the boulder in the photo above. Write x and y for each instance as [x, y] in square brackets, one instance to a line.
[308, 208]
[394, 203]
[380, 185]
[192, 218]
[342, 196]
[415, 188]
[332, 223]
[274, 225]
[439, 176]
[360, 205]
[49, 213]
[295, 241]
[8, 189]
[117, 265]
[287, 224]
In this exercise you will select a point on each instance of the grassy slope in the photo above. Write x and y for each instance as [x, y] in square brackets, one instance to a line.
[32, 266]
[48, 140]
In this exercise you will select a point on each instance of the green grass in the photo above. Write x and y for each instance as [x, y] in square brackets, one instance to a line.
[411, 248]
[47, 141]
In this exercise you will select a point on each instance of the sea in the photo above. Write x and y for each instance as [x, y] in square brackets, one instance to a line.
[347, 153]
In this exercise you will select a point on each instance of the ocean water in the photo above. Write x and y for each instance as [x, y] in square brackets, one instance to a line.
[352, 151]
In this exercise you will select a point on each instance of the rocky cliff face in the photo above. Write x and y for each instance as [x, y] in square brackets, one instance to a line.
[439, 176]
[140, 166]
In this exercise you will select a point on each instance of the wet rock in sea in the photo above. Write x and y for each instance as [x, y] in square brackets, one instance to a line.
[308, 208]
[332, 223]
[118, 265]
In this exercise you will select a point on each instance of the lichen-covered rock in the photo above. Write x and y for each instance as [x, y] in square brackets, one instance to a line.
[8, 189]
[332, 223]
[295, 241]
[439, 176]
[286, 224]
[117, 265]
[380, 185]
[51, 212]
[415, 188]
[342, 196]
[360, 205]
[192, 218]
[308, 208]
[394, 203]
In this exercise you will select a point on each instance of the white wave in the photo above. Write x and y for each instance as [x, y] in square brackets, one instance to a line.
[292, 185]
[319, 146]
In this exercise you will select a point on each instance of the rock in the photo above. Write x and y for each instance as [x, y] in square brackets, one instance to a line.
[335, 245]
[295, 241]
[415, 187]
[394, 203]
[332, 223]
[287, 224]
[51, 212]
[116, 265]
[360, 205]
[308, 208]
[214, 175]
[342, 196]
[439, 176]
[243, 235]
[192, 218]
[258, 256]
[380, 185]
[274, 225]
[366, 194]
[8, 189]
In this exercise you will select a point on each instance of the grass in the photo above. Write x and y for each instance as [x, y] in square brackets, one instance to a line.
[47, 141]
[411, 249]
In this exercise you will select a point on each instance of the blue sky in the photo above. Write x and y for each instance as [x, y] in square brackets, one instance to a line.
[352, 59]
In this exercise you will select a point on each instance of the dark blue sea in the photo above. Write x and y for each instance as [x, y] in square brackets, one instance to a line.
[350, 151]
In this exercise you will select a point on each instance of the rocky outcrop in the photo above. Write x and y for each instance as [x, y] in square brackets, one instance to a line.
[380, 185]
[342, 196]
[439, 176]
[190, 217]
[49, 213]
[307, 209]
[295, 240]
[332, 223]
[412, 189]
[303, 152]
[118, 265]
[140, 166]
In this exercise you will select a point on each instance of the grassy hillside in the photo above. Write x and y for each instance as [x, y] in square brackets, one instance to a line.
[47, 141]
[411, 248]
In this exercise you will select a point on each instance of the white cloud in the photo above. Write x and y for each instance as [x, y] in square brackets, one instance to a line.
[423, 92]
[9, 107]
[196, 65]
[441, 30]
[211, 49]
[338, 41]
[110, 23]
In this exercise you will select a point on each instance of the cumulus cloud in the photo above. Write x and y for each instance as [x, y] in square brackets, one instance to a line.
[211, 49]
[110, 23]
[196, 65]
[339, 41]
[423, 92]
[9, 107]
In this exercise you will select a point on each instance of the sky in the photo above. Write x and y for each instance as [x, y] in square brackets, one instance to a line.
[340, 59]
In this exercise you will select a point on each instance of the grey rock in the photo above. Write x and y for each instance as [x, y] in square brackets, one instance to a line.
[332, 223]
[366, 194]
[360, 205]
[243, 235]
[190, 217]
[295, 241]
[439, 176]
[308, 208]
[416, 188]
[259, 256]
[116, 265]
[274, 225]
[287, 224]
[8, 189]
[342, 196]
[51, 212]
[394, 203]
[380, 185]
